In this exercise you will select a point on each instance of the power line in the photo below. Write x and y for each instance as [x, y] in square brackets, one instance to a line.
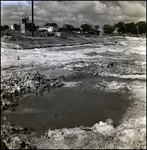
[32, 18]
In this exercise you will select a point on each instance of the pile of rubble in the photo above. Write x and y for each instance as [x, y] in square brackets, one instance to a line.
[16, 86]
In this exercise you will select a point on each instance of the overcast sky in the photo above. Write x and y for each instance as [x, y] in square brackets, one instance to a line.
[74, 12]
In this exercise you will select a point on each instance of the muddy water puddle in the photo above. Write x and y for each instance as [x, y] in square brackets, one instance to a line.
[55, 72]
[75, 104]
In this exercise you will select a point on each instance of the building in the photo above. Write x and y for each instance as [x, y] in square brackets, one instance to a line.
[50, 29]
[12, 27]
[42, 29]
[23, 24]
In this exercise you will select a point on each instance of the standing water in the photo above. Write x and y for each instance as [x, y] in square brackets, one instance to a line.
[79, 102]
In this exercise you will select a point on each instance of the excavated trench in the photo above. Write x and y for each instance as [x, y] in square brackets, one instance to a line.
[80, 102]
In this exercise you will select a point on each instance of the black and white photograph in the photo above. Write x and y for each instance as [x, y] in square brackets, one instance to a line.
[73, 74]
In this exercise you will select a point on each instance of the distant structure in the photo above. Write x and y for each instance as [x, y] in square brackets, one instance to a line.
[12, 27]
[101, 32]
[50, 29]
[60, 34]
[23, 24]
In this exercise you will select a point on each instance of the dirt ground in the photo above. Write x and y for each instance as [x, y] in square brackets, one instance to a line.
[40, 64]
[26, 42]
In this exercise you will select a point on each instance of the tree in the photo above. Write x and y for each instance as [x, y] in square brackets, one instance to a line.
[131, 28]
[96, 27]
[29, 27]
[91, 31]
[51, 24]
[77, 29]
[16, 27]
[108, 29]
[121, 27]
[86, 27]
[5, 27]
[141, 27]
[61, 30]
[68, 27]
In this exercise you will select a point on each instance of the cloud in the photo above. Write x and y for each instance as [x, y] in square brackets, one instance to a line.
[74, 12]
[100, 8]
[132, 9]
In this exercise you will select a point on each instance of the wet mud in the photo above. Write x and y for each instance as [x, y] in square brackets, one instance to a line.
[70, 107]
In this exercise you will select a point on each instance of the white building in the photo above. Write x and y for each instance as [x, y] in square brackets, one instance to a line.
[12, 27]
[50, 29]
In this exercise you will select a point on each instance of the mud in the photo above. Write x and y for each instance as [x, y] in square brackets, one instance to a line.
[82, 104]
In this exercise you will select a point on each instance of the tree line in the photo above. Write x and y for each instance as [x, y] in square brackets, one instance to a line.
[120, 27]
[126, 28]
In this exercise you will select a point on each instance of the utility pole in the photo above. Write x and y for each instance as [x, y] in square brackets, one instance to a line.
[32, 18]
